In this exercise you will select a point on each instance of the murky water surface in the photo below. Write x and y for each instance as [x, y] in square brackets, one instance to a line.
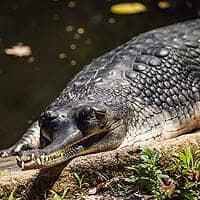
[63, 37]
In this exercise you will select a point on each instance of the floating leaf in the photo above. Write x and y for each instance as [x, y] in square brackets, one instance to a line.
[163, 4]
[81, 30]
[128, 8]
[19, 50]
[62, 56]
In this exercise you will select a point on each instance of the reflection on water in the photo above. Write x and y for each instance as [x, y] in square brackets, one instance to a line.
[63, 36]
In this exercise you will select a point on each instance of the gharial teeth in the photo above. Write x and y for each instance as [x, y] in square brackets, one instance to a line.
[42, 159]
[18, 158]
[22, 164]
[39, 161]
[32, 156]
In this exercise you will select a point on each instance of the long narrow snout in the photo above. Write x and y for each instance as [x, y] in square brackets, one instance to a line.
[64, 147]
[70, 132]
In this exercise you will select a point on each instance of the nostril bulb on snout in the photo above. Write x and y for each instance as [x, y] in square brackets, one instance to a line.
[62, 116]
[49, 115]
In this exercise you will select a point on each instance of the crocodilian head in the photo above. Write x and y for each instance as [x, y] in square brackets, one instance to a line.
[68, 132]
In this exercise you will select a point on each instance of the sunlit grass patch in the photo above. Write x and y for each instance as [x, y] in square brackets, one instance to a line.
[179, 178]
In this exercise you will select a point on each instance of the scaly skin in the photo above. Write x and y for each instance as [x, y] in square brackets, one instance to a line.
[147, 88]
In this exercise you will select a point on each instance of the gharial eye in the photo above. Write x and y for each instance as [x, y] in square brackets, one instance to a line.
[87, 113]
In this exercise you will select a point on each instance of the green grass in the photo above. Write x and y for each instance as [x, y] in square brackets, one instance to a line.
[178, 178]
[79, 191]
[3, 173]
[11, 197]
[147, 176]
[186, 172]
[62, 196]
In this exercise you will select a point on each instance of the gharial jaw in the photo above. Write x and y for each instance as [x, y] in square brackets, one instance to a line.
[71, 133]
[45, 158]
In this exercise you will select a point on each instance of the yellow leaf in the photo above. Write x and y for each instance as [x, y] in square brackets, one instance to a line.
[163, 4]
[19, 50]
[128, 8]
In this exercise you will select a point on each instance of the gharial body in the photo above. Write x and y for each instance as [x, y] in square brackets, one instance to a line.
[146, 89]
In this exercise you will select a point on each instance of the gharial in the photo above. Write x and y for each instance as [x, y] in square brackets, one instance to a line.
[145, 89]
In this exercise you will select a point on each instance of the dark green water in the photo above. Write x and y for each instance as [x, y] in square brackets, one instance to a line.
[28, 84]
